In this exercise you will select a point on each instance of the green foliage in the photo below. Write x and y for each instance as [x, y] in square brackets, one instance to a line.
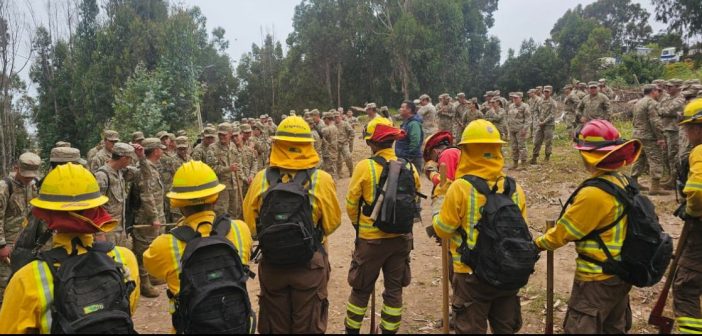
[681, 70]
[682, 16]
[536, 65]
[83, 81]
[586, 64]
[141, 104]
[633, 68]
[627, 21]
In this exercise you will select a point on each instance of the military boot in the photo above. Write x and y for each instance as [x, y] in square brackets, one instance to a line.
[533, 160]
[147, 290]
[641, 187]
[656, 188]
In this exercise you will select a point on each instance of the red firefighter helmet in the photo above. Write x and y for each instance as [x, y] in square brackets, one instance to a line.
[597, 135]
[439, 138]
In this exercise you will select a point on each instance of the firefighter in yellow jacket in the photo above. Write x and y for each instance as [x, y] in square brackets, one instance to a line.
[687, 287]
[195, 192]
[293, 299]
[376, 250]
[70, 203]
[599, 303]
[474, 302]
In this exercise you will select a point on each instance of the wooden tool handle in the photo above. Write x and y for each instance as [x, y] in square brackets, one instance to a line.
[549, 285]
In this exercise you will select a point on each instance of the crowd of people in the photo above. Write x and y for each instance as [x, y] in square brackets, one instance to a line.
[169, 210]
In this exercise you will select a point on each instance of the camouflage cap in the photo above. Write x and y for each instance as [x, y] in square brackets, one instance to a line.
[224, 128]
[371, 106]
[67, 154]
[182, 142]
[649, 87]
[675, 82]
[314, 112]
[497, 92]
[29, 164]
[111, 135]
[210, 125]
[689, 93]
[695, 81]
[62, 144]
[257, 126]
[181, 133]
[511, 94]
[171, 136]
[137, 136]
[568, 87]
[209, 132]
[602, 81]
[593, 84]
[697, 87]
[461, 94]
[292, 112]
[548, 88]
[424, 96]
[582, 84]
[325, 115]
[530, 91]
[305, 110]
[152, 143]
[658, 81]
[416, 101]
[518, 94]
[161, 134]
[488, 94]
[384, 108]
[122, 149]
[539, 88]
[245, 128]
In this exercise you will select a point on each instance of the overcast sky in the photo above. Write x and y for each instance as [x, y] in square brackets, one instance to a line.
[515, 20]
[246, 21]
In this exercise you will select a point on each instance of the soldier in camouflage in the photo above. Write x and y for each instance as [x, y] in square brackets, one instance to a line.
[427, 112]
[15, 194]
[461, 109]
[330, 144]
[249, 158]
[545, 125]
[346, 137]
[446, 113]
[225, 160]
[649, 130]
[593, 106]
[112, 178]
[604, 89]
[498, 117]
[670, 109]
[262, 144]
[167, 168]
[104, 154]
[519, 117]
[317, 140]
[209, 136]
[570, 104]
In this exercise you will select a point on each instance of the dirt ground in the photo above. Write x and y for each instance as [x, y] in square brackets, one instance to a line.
[546, 185]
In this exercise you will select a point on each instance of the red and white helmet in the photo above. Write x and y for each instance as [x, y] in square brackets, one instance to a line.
[597, 135]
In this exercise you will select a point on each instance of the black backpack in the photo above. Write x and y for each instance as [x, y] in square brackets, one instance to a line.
[504, 254]
[131, 205]
[286, 234]
[213, 296]
[90, 294]
[646, 251]
[29, 243]
[395, 216]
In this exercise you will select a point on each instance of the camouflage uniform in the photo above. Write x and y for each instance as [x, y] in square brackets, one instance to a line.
[167, 168]
[648, 129]
[459, 118]
[428, 114]
[446, 113]
[669, 110]
[13, 210]
[346, 137]
[544, 127]
[499, 119]
[330, 148]
[220, 158]
[596, 107]
[519, 122]
[91, 153]
[99, 159]
[262, 148]
[607, 91]
[318, 146]
[570, 104]
[151, 194]
[113, 185]
[249, 162]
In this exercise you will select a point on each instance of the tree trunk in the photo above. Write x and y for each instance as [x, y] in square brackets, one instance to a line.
[327, 75]
[338, 85]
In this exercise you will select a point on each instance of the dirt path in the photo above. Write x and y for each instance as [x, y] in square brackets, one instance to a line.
[544, 186]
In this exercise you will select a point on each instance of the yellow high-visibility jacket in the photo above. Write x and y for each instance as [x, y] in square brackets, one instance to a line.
[693, 187]
[26, 308]
[322, 192]
[362, 190]
[462, 208]
[592, 209]
[162, 258]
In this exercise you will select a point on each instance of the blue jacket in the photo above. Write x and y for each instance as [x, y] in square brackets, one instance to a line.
[411, 146]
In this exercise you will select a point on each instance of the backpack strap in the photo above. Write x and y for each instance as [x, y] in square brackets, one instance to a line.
[480, 184]
[10, 186]
[273, 177]
[184, 233]
[222, 225]
[103, 247]
[107, 176]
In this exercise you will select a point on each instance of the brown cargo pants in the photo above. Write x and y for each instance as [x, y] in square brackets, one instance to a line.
[294, 300]
[598, 307]
[392, 256]
[475, 303]
[687, 289]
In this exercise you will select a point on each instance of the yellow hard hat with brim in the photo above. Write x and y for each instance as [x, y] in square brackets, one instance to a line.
[69, 187]
[293, 129]
[194, 180]
[481, 132]
[693, 112]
